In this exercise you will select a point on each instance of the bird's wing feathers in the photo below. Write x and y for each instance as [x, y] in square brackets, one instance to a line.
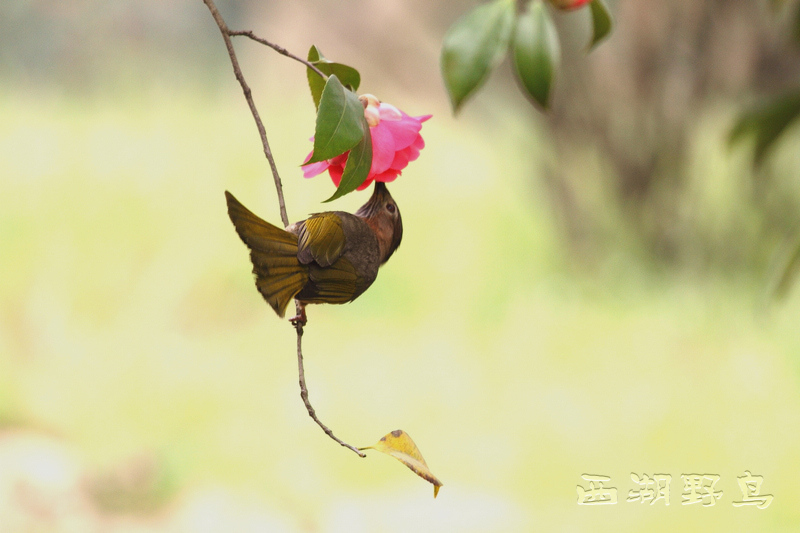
[321, 239]
[336, 284]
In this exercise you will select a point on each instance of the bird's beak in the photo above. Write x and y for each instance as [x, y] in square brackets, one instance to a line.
[376, 201]
[380, 190]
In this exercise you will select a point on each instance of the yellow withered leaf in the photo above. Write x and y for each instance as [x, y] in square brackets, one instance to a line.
[400, 446]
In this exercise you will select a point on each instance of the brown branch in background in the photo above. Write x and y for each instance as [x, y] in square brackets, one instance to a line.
[226, 36]
[281, 50]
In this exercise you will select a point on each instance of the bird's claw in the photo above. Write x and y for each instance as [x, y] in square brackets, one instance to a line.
[299, 319]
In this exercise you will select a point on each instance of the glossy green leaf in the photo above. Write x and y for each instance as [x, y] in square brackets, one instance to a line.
[473, 46]
[601, 22]
[356, 170]
[340, 121]
[767, 123]
[348, 76]
[536, 52]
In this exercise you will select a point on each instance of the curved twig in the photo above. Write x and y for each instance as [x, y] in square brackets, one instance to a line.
[278, 48]
[226, 35]
[304, 394]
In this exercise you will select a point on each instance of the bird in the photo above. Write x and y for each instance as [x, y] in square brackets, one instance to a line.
[331, 257]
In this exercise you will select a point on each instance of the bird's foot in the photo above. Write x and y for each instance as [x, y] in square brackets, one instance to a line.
[300, 319]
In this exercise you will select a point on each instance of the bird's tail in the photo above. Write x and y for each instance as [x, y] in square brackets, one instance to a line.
[273, 251]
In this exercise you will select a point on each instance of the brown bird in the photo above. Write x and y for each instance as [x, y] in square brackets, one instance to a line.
[331, 257]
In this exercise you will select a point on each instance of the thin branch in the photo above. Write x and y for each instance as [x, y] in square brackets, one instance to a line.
[278, 48]
[226, 33]
[304, 394]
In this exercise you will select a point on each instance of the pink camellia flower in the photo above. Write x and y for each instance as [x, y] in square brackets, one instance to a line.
[395, 143]
[569, 5]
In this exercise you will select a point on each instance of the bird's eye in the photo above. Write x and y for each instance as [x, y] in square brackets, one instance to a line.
[390, 207]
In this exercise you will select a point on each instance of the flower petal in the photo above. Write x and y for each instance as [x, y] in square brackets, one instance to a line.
[365, 184]
[403, 131]
[401, 160]
[388, 176]
[383, 148]
[314, 169]
[339, 160]
[389, 112]
[336, 174]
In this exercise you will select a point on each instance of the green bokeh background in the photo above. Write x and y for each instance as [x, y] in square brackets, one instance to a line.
[129, 323]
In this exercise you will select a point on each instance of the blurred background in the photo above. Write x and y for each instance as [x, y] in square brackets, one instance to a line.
[578, 293]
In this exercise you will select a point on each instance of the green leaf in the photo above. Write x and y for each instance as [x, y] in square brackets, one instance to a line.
[536, 52]
[473, 46]
[348, 76]
[314, 54]
[356, 170]
[601, 22]
[766, 123]
[340, 121]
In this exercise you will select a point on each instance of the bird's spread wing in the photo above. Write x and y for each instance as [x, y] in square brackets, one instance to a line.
[321, 239]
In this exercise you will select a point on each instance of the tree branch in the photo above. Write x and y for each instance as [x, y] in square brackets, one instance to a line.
[226, 36]
[304, 394]
[279, 49]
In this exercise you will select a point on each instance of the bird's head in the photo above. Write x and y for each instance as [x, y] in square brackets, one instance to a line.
[383, 217]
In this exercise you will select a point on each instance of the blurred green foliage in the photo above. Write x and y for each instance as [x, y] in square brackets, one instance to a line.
[648, 106]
